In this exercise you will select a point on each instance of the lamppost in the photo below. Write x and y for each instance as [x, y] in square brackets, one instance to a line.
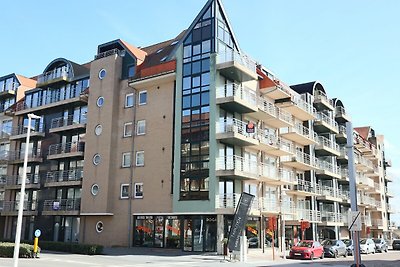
[283, 194]
[22, 193]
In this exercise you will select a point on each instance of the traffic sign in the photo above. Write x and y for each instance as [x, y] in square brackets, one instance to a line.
[354, 221]
[38, 233]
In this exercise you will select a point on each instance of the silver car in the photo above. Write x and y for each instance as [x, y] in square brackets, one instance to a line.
[367, 246]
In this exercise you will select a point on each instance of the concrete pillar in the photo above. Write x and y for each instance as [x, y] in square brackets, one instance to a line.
[220, 234]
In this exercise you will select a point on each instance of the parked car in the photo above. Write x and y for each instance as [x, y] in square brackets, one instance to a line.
[253, 242]
[380, 245]
[334, 248]
[396, 244]
[349, 246]
[307, 249]
[367, 246]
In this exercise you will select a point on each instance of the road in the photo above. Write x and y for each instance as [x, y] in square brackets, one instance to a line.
[166, 258]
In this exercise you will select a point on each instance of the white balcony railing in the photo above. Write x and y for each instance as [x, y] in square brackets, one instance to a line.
[242, 59]
[235, 126]
[327, 166]
[319, 95]
[308, 215]
[325, 118]
[304, 105]
[236, 90]
[330, 216]
[53, 75]
[323, 141]
[236, 163]
[301, 130]
[307, 186]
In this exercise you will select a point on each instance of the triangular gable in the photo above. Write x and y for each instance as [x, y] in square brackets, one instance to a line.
[134, 51]
[217, 6]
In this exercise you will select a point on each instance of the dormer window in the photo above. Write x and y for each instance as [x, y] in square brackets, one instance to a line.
[160, 50]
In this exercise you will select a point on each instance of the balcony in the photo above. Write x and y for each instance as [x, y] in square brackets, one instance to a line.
[342, 158]
[390, 208]
[308, 215]
[325, 124]
[237, 98]
[388, 192]
[300, 161]
[322, 101]
[377, 224]
[376, 189]
[276, 146]
[20, 132]
[15, 181]
[392, 225]
[273, 176]
[277, 91]
[326, 147]
[329, 193]
[54, 76]
[328, 170]
[330, 218]
[3, 181]
[64, 178]
[229, 202]
[10, 208]
[77, 97]
[237, 67]
[388, 178]
[305, 188]
[66, 150]
[299, 134]
[233, 131]
[69, 123]
[8, 90]
[366, 220]
[341, 137]
[17, 157]
[362, 164]
[362, 145]
[237, 168]
[344, 195]
[272, 115]
[372, 172]
[269, 206]
[363, 182]
[62, 207]
[298, 107]
[5, 135]
[344, 174]
[341, 115]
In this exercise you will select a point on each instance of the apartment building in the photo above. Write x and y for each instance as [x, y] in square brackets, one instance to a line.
[153, 146]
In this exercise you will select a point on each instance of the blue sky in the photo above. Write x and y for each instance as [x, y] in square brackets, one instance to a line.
[352, 47]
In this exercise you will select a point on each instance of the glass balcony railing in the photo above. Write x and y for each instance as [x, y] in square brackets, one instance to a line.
[69, 147]
[65, 175]
[13, 206]
[329, 167]
[236, 90]
[23, 129]
[242, 59]
[328, 120]
[31, 178]
[70, 204]
[58, 73]
[235, 126]
[67, 121]
[325, 142]
[236, 163]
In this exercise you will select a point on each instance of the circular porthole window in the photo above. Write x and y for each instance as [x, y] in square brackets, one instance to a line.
[95, 189]
[98, 129]
[96, 159]
[102, 74]
[99, 226]
[100, 101]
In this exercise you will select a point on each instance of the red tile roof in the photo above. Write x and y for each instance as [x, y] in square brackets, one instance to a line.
[363, 131]
[26, 81]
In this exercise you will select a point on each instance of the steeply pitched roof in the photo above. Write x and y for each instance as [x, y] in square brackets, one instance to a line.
[363, 131]
[138, 53]
[26, 81]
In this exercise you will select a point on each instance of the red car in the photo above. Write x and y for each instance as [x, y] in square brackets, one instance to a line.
[307, 249]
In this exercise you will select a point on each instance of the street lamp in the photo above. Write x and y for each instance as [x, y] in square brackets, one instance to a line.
[22, 193]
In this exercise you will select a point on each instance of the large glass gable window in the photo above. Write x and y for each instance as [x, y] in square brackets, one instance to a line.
[197, 48]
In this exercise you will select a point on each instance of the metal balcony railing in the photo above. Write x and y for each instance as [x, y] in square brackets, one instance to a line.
[364, 180]
[9, 86]
[237, 163]
[64, 175]
[23, 129]
[19, 154]
[53, 75]
[69, 147]
[319, 95]
[342, 129]
[11, 206]
[67, 121]
[325, 118]
[301, 130]
[306, 159]
[235, 126]
[323, 141]
[363, 161]
[307, 186]
[330, 216]
[344, 194]
[366, 220]
[308, 215]
[31, 178]
[377, 222]
[340, 111]
[230, 201]
[307, 107]
[242, 92]
[327, 166]
[267, 106]
[3, 180]
[70, 204]
[272, 172]
[242, 59]
[329, 191]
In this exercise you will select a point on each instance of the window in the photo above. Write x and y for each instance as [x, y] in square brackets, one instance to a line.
[94, 189]
[96, 159]
[128, 129]
[140, 158]
[98, 129]
[141, 127]
[142, 98]
[102, 74]
[100, 101]
[138, 190]
[126, 159]
[131, 71]
[124, 191]
[129, 100]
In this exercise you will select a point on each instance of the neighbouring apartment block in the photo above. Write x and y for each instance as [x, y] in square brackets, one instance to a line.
[153, 146]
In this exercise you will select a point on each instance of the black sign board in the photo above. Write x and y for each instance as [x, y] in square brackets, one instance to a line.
[239, 221]
[250, 127]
